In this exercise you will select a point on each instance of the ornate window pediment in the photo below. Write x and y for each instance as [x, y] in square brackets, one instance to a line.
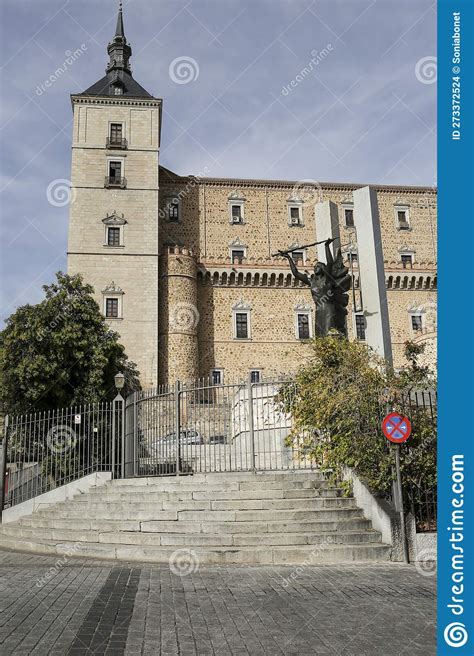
[242, 306]
[112, 288]
[236, 195]
[114, 219]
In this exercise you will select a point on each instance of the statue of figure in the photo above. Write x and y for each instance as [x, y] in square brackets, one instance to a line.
[329, 285]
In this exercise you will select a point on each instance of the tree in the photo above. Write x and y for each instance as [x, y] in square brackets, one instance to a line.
[60, 352]
[338, 401]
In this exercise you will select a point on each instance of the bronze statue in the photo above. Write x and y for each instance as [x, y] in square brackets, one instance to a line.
[329, 285]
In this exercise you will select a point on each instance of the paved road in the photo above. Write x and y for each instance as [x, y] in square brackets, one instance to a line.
[52, 606]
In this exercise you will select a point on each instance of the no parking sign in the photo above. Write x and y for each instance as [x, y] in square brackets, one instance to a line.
[396, 428]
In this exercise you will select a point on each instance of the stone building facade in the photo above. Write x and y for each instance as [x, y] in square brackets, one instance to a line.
[183, 266]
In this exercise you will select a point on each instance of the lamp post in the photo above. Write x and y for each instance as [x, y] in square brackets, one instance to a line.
[118, 425]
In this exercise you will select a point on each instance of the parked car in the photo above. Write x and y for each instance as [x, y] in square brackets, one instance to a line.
[217, 439]
[164, 445]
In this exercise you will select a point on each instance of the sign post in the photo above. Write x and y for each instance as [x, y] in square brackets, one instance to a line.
[397, 429]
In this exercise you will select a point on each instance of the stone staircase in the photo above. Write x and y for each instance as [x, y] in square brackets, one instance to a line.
[229, 518]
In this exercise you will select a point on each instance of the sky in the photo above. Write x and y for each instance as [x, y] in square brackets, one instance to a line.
[331, 91]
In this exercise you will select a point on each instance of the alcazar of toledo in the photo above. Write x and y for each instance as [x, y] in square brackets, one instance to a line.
[184, 266]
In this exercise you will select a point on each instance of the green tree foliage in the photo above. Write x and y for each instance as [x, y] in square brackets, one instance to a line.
[60, 352]
[338, 401]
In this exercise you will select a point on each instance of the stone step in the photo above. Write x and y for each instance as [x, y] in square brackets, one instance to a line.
[194, 539]
[119, 487]
[220, 478]
[130, 512]
[264, 555]
[74, 508]
[218, 495]
[343, 524]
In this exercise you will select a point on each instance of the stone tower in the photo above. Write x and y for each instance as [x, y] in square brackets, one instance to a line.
[179, 316]
[113, 229]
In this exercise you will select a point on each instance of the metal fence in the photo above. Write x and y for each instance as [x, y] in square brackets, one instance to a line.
[191, 428]
[42, 451]
[206, 427]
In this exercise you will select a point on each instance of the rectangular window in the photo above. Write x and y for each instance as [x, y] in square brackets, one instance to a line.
[173, 210]
[349, 218]
[407, 261]
[116, 133]
[113, 236]
[111, 308]
[298, 256]
[241, 325]
[115, 172]
[255, 376]
[303, 326]
[295, 216]
[360, 326]
[236, 213]
[416, 323]
[352, 257]
[238, 256]
[403, 220]
[217, 377]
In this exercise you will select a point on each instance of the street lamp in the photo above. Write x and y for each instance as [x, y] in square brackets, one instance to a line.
[119, 381]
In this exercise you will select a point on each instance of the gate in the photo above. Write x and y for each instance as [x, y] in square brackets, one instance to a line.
[206, 427]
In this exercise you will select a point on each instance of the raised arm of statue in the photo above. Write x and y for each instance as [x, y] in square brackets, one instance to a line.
[294, 269]
[329, 257]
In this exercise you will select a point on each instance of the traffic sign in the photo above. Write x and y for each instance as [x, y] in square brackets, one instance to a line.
[396, 427]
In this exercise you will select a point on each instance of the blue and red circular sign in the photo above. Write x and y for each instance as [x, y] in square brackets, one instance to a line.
[396, 427]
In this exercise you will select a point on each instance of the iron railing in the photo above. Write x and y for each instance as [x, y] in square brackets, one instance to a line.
[191, 428]
[115, 181]
[221, 427]
[116, 143]
[45, 450]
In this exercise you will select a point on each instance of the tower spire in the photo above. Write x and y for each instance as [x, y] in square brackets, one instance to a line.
[119, 50]
[119, 30]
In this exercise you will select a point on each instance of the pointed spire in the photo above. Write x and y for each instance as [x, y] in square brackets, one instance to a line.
[119, 32]
[119, 51]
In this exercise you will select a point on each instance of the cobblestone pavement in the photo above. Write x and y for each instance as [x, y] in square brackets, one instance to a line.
[57, 606]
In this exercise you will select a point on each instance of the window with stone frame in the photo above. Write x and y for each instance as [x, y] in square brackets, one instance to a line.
[298, 256]
[349, 217]
[116, 135]
[172, 207]
[217, 376]
[241, 325]
[407, 260]
[255, 375]
[236, 213]
[417, 323]
[295, 215]
[112, 308]
[115, 171]
[402, 217]
[237, 255]
[113, 236]
[303, 325]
